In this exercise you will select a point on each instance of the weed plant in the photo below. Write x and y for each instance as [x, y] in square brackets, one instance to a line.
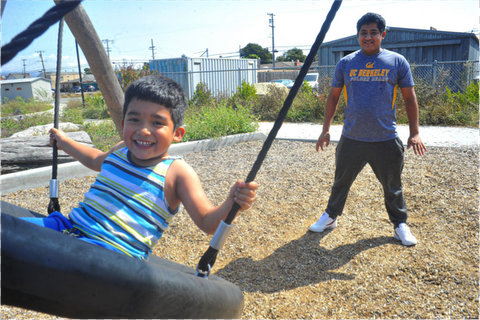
[11, 125]
[18, 106]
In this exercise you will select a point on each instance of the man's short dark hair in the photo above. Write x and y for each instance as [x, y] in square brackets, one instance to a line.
[371, 18]
[160, 90]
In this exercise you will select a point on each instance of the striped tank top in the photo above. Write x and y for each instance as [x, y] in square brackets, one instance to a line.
[126, 205]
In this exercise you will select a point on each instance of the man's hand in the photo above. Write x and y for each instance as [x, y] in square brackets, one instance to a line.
[324, 139]
[417, 144]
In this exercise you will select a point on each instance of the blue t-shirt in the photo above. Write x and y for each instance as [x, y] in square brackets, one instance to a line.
[370, 86]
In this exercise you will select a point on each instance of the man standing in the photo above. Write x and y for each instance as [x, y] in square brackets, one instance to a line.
[370, 78]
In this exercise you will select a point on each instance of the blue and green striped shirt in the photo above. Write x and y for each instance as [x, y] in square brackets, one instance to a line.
[126, 206]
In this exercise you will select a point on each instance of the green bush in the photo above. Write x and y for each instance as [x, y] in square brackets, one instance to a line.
[443, 107]
[307, 106]
[104, 134]
[218, 120]
[267, 106]
[201, 97]
[462, 107]
[73, 112]
[246, 95]
[95, 107]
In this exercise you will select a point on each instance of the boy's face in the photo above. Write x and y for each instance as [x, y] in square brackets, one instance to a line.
[370, 38]
[148, 131]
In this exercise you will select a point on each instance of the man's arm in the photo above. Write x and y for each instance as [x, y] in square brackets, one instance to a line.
[330, 110]
[411, 106]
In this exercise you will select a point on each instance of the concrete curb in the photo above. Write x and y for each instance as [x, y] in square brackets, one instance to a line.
[41, 177]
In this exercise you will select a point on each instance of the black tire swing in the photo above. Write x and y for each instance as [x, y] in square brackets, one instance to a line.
[51, 272]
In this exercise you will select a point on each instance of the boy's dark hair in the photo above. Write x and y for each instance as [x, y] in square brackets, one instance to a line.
[160, 90]
[371, 18]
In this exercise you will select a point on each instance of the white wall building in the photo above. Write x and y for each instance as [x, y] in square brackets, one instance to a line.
[26, 88]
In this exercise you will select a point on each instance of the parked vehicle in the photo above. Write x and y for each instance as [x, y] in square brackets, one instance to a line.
[75, 89]
[312, 80]
[285, 82]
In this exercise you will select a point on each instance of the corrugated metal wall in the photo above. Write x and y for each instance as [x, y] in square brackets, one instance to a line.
[222, 76]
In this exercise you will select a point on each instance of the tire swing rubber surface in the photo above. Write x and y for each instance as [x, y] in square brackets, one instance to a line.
[50, 272]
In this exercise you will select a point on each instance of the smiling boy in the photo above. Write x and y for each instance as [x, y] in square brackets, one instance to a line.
[370, 79]
[140, 186]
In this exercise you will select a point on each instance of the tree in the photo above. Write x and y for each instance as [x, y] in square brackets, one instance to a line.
[128, 74]
[253, 49]
[293, 55]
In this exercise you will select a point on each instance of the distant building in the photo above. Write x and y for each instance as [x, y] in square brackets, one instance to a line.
[88, 84]
[221, 76]
[64, 77]
[12, 76]
[26, 88]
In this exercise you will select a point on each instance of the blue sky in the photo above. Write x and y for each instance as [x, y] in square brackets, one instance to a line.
[222, 26]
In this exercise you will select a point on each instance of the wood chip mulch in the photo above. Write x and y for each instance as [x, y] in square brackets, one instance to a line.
[355, 271]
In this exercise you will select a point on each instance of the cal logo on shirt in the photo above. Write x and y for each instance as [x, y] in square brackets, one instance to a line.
[369, 73]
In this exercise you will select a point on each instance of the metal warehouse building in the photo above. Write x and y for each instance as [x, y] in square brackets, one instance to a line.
[418, 46]
[440, 58]
[222, 76]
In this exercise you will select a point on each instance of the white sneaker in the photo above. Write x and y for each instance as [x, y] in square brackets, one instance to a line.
[404, 234]
[325, 222]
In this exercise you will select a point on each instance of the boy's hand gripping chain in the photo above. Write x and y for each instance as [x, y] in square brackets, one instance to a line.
[208, 259]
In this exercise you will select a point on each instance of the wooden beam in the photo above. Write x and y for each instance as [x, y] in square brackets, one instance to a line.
[82, 29]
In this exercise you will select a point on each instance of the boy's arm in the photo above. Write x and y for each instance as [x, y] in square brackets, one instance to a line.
[90, 157]
[188, 190]
[411, 106]
[330, 110]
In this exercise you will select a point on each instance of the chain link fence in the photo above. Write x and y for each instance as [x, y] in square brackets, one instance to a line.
[456, 75]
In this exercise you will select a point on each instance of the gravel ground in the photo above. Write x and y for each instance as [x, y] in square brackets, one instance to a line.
[356, 271]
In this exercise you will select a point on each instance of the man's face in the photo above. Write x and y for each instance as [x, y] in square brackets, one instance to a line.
[370, 38]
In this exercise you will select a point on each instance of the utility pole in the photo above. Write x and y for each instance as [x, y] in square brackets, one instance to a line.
[24, 72]
[153, 50]
[107, 41]
[43, 64]
[273, 37]
[80, 74]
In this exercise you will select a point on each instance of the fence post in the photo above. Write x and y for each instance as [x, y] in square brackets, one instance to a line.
[434, 74]
[239, 77]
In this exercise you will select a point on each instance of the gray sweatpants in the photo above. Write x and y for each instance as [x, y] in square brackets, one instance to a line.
[386, 160]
